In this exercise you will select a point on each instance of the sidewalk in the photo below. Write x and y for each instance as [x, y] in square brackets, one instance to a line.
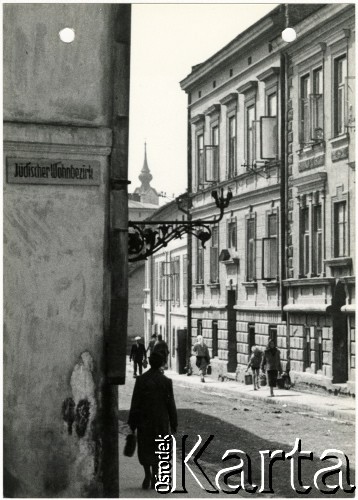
[328, 406]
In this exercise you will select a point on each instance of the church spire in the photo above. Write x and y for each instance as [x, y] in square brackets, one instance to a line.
[145, 176]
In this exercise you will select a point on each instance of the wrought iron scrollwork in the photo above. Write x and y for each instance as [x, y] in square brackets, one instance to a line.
[144, 241]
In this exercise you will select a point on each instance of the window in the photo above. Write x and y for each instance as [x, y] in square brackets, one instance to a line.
[304, 242]
[214, 255]
[250, 117]
[319, 350]
[211, 160]
[250, 252]
[272, 104]
[232, 234]
[232, 147]
[307, 349]
[311, 93]
[215, 338]
[199, 262]
[305, 118]
[269, 250]
[200, 158]
[162, 282]
[340, 229]
[340, 74]
[317, 240]
[316, 106]
[185, 279]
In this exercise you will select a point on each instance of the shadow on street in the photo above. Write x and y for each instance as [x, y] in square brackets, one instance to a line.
[228, 436]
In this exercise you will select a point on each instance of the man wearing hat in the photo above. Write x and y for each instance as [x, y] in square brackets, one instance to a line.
[138, 354]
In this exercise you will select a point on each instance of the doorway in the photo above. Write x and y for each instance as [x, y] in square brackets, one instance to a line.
[340, 337]
[181, 350]
[251, 338]
[231, 326]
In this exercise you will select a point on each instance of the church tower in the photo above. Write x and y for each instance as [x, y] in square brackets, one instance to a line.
[146, 192]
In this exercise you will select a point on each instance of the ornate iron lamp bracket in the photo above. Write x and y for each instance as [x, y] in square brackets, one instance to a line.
[144, 241]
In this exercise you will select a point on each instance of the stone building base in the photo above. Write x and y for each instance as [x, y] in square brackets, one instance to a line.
[314, 382]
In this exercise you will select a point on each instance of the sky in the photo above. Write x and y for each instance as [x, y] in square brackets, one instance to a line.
[167, 40]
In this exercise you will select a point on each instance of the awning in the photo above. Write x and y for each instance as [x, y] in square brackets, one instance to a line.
[310, 307]
[349, 308]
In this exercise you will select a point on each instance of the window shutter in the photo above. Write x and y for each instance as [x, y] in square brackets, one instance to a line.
[269, 258]
[268, 138]
[214, 264]
[211, 163]
[350, 114]
[316, 116]
[256, 137]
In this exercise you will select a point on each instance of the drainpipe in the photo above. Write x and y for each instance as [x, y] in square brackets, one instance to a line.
[116, 334]
[284, 187]
[189, 237]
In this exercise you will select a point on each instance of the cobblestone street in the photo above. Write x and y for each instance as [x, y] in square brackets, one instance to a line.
[249, 425]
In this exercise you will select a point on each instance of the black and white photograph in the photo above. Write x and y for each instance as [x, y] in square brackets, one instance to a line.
[179, 207]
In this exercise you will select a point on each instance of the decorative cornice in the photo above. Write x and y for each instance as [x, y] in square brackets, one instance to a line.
[339, 262]
[322, 46]
[251, 85]
[339, 154]
[269, 74]
[310, 163]
[230, 98]
[54, 139]
[197, 119]
[316, 181]
[212, 110]
[308, 282]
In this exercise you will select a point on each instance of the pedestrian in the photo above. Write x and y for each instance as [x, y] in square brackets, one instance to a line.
[202, 356]
[138, 355]
[254, 364]
[152, 343]
[153, 413]
[161, 347]
[271, 363]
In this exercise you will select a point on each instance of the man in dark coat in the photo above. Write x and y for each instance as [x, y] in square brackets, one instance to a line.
[161, 347]
[138, 354]
[152, 413]
[152, 343]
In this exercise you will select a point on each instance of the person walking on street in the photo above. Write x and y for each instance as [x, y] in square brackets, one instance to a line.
[271, 362]
[161, 347]
[153, 413]
[152, 343]
[202, 356]
[254, 364]
[138, 355]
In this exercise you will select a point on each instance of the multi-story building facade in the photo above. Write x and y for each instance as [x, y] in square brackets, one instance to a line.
[320, 202]
[244, 135]
[166, 297]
